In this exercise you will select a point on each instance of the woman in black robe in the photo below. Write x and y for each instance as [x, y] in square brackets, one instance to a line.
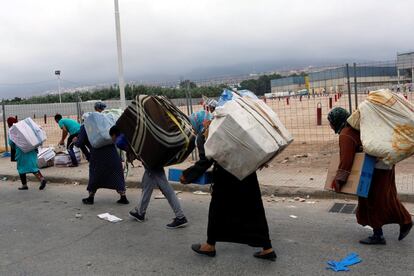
[105, 169]
[236, 212]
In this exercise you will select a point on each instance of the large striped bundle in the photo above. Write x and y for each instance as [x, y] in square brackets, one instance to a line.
[159, 133]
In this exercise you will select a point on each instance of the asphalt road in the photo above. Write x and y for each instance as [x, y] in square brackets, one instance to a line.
[41, 235]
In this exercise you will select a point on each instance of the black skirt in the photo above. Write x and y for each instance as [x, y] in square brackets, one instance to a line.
[236, 211]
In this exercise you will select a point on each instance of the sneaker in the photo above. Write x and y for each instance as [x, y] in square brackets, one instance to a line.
[136, 216]
[178, 223]
[22, 188]
[42, 185]
[373, 240]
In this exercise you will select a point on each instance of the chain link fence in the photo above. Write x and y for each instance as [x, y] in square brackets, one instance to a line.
[302, 102]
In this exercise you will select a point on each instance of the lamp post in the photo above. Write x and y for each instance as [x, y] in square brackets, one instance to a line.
[120, 62]
[57, 73]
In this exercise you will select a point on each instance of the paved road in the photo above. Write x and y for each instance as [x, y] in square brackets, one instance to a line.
[40, 235]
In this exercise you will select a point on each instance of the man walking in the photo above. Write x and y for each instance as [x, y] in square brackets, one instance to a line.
[153, 178]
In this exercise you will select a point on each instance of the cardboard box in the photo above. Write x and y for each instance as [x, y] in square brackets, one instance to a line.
[359, 181]
[175, 175]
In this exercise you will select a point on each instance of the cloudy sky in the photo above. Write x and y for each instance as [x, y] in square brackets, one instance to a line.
[170, 38]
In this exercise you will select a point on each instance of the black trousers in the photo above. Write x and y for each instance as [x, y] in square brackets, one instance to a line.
[71, 152]
[23, 177]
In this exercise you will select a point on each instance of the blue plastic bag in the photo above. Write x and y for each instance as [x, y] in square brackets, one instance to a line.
[228, 95]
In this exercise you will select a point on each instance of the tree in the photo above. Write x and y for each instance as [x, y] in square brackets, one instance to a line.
[260, 86]
[187, 83]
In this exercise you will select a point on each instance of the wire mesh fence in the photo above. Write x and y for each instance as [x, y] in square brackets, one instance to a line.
[302, 102]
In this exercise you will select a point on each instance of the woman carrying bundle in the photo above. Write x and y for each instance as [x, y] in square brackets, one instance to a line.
[382, 205]
[26, 162]
[105, 169]
[236, 212]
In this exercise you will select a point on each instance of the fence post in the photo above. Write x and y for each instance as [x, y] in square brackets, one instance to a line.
[355, 86]
[349, 88]
[6, 144]
[191, 98]
[189, 112]
[319, 114]
[78, 111]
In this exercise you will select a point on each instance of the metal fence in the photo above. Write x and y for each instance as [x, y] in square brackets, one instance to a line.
[303, 112]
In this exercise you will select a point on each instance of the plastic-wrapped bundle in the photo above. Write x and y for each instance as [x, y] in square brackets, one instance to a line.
[27, 135]
[45, 157]
[63, 158]
[244, 135]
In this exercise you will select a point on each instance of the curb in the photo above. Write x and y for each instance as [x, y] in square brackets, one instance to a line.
[267, 190]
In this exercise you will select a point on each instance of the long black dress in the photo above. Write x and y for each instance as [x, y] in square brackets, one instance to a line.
[105, 166]
[236, 212]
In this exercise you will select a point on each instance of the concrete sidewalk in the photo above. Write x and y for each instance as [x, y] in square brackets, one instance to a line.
[287, 181]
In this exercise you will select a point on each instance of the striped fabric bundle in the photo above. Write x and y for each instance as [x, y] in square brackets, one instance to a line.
[158, 132]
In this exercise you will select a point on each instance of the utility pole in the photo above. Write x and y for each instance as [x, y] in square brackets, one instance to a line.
[120, 62]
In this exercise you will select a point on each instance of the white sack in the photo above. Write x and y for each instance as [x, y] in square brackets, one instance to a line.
[386, 122]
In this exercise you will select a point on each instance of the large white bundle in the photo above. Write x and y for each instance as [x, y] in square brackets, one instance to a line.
[45, 157]
[386, 123]
[244, 135]
[27, 135]
[63, 158]
[97, 126]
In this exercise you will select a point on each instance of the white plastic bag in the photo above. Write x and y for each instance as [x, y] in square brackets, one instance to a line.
[386, 124]
[244, 135]
[97, 126]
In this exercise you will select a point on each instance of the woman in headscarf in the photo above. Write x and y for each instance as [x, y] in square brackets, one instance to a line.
[105, 169]
[382, 205]
[10, 122]
[99, 106]
[26, 161]
[236, 212]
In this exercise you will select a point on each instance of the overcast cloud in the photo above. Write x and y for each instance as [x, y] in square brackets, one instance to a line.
[175, 37]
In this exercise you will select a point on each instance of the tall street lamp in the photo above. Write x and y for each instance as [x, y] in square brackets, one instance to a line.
[57, 73]
[120, 63]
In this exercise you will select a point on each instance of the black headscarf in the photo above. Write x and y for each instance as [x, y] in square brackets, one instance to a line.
[337, 117]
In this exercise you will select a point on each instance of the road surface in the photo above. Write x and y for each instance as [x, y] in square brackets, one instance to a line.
[41, 235]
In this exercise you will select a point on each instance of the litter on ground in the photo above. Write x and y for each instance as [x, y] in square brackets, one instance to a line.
[161, 196]
[109, 217]
[343, 264]
[200, 193]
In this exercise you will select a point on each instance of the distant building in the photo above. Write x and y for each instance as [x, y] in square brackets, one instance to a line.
[288, 84]
[368, 77]
[405, 66]
[398, 74]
